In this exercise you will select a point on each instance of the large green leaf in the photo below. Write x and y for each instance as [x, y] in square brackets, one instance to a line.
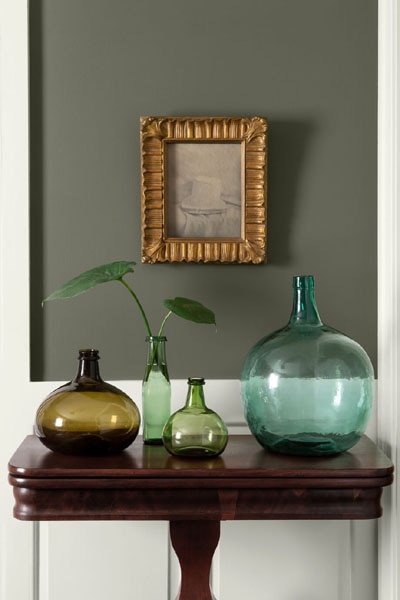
[190, 310]
[89, 279]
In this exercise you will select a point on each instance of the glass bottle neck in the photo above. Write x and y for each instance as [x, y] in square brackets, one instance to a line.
[156, 354]
[195, 395]
[304, 311]
[88, 365]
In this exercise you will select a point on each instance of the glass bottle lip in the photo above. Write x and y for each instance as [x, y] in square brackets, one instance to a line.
[196, 381]
[89, 353]
[303, 282]
[156, 338]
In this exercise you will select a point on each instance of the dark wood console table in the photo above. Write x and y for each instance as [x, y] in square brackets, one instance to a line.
[246, 482]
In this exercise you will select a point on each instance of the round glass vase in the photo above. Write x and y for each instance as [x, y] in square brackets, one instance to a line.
[195, 430]
[87, 416]
[307, 389]
[156, 391]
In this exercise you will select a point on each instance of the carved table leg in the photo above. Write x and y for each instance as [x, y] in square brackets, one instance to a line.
[194, 543]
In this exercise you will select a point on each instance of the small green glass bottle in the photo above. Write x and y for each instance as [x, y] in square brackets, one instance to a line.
[195, 430]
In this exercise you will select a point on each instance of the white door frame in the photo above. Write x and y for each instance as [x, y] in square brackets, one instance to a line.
[17, 539]
[388, 419]
[16, 565]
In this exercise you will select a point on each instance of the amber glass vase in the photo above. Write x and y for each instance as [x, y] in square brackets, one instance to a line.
[87, 416]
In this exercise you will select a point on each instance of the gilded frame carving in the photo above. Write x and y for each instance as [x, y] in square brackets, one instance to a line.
[164, 165]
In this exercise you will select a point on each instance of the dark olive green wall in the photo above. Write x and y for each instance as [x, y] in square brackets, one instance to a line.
[309, 66]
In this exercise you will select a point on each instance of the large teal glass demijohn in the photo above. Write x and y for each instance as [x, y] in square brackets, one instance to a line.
[307, 389]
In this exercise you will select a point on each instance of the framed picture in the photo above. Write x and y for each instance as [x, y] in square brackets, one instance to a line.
[203, 185]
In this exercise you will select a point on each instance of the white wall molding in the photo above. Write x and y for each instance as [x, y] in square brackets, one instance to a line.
[388, 286]
[16, 549]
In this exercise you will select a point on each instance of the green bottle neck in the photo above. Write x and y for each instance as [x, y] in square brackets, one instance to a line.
[195, 395]
[156, 351]
[304, 310]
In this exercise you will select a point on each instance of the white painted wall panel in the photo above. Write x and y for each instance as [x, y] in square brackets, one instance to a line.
[104, 560]
[287, 560]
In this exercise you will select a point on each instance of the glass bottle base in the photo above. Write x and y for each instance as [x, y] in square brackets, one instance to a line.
[87, 444]
[153, 442]
[195, 452]
[308, 443]
[195, 446]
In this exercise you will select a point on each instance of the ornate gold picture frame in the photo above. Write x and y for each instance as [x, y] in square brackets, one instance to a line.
[203, 185]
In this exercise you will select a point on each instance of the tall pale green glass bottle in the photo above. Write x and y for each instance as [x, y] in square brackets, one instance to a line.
[307, 389]
[156, 391]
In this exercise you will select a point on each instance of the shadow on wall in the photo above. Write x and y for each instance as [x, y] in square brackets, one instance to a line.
[36, 189]
[288, 142]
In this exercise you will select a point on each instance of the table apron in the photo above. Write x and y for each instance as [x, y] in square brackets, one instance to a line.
[105, 503]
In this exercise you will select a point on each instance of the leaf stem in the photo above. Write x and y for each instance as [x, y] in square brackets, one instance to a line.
[130, 290]
[164, 321]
